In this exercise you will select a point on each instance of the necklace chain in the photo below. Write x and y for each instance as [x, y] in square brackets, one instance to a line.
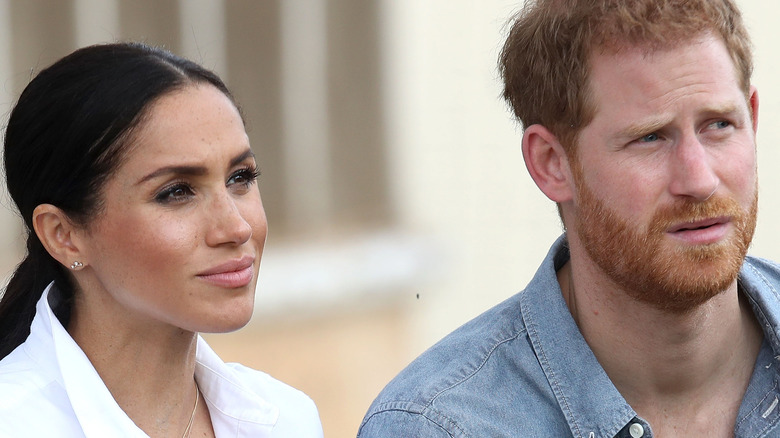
[188, 430]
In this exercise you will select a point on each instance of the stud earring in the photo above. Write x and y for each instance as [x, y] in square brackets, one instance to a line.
[76, 265]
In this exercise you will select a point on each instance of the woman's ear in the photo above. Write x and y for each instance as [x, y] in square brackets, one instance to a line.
[58, 235]
[547, 163]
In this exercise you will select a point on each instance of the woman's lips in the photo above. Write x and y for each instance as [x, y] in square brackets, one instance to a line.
[232, 274]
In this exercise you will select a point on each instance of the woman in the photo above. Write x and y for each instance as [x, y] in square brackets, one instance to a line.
[133, 174]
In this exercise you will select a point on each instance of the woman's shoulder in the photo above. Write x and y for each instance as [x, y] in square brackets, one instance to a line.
[298, 415]
[271, 389]
[255, 399]
[247, 396]
[34, 403]
[21, 376]
[226, 375]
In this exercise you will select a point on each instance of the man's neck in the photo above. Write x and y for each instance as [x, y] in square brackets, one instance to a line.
[673, 369]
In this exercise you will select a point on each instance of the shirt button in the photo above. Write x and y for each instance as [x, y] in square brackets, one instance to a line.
[636, 430]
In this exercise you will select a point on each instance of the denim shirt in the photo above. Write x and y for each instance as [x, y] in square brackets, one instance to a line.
[523, 369]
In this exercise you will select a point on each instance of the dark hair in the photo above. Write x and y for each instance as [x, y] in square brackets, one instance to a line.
[68, 132]
[545, 62]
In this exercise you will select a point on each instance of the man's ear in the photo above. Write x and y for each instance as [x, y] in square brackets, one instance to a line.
[58, 235]
[547, 163]
[753, 101]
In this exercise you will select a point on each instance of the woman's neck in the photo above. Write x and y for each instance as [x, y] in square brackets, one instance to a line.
[148, 367]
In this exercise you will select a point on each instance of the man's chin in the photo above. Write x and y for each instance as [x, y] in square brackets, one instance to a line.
[680, 279]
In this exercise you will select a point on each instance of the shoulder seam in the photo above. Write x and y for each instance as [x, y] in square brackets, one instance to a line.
[482, 364]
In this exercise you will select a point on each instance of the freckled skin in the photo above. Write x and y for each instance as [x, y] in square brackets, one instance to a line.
[144, 252]
[637, 178]
[672, 146]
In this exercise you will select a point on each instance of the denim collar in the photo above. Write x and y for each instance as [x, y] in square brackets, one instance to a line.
[592, 405]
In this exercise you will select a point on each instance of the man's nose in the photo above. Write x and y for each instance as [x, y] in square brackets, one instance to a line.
[692, 173]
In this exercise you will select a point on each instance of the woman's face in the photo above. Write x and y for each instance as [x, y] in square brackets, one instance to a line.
[182, 228]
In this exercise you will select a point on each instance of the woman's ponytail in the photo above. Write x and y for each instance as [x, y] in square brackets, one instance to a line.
[17, 307]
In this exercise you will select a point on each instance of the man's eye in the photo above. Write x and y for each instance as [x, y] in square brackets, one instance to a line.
[649, 138]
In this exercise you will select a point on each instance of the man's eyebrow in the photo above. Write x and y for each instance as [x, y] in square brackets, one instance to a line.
[637, 130]
[643, 128]
[186, 170]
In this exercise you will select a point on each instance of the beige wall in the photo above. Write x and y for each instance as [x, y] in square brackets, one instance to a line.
[399, 203]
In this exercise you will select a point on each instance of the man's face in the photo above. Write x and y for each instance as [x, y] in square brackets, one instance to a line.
[665, 174]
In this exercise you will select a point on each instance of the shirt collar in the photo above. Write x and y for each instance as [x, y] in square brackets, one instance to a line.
[235, 408]
[94, 406]
[759, 280]
[586, 395]
[759, 411]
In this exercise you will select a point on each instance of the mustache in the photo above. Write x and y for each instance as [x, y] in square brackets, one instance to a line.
[685, 211]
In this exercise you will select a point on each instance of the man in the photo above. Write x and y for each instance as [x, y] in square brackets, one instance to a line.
[646, 318]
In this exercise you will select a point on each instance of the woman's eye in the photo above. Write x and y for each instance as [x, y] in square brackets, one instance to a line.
[245, 177]
[173, 194]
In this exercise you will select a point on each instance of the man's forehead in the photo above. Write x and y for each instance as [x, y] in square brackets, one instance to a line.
[636, 68]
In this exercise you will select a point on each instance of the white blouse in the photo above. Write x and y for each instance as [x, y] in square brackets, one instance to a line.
[49, 388]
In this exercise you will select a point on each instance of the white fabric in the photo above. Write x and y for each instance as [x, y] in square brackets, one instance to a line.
[49, 388]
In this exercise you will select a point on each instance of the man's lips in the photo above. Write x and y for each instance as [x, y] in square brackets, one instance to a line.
[231, 274]
[703, 231]
[697, 225]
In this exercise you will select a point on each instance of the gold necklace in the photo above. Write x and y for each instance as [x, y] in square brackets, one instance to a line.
[187, 431]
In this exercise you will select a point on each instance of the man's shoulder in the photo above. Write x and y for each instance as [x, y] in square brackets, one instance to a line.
[762, 266]
[466, 381]
[459, 355]
[760, 278]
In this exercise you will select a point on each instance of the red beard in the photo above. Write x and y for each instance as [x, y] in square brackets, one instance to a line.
[646, 265]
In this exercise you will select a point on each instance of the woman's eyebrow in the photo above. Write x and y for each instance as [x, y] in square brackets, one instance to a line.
[241, 157]
[191, 170]
[175, 170]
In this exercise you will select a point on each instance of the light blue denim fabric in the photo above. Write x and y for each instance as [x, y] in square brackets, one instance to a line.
[522, 369]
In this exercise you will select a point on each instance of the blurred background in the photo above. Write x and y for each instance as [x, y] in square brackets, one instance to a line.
[398, 202]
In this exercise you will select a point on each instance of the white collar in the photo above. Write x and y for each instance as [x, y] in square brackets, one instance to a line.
[234, 407]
